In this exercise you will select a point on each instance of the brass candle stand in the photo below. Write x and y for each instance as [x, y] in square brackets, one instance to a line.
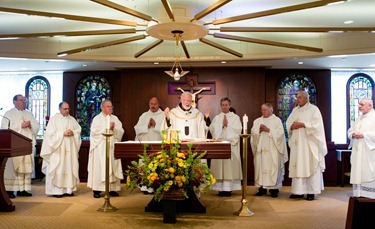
[107, 207]
[244, 210]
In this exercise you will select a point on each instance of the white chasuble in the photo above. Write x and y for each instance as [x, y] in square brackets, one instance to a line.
[308, 145]
[60, 155]
[227, 170]
[190, 123]
[97, 156]
[143, 133]
[269, 151]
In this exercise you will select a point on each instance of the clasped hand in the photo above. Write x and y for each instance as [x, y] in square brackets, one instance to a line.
[264, 128]
[151, 123]
[357, 135]
[68, 133]
[297, 125]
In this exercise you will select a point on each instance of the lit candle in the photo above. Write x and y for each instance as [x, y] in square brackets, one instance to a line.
[245, 119]
[108, 122]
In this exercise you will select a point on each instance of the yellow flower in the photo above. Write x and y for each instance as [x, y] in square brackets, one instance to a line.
[183, 179]
[171, 170]
[170, 182]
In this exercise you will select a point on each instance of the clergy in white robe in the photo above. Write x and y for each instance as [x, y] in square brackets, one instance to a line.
[185, 118]
[61, 144]
[308, 148]
[227, 126]
[362, 143]
[149, 125]
[18, 170]
[97, 156]
[268, 145]
[148, 128]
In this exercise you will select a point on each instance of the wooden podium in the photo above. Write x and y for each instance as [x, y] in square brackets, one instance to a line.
[214, 150]
[12, 144]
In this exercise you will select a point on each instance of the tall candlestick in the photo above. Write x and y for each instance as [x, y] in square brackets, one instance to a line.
[245, 119]
[108, 122]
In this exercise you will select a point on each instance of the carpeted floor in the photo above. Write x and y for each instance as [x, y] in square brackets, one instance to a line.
[81, 211]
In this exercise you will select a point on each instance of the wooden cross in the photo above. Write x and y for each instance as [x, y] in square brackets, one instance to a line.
[192, 85]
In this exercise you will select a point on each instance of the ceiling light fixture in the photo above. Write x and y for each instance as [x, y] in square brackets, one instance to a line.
[176, 72]
[177, 34]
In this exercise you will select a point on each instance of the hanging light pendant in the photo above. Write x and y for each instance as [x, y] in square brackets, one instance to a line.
[176, 71]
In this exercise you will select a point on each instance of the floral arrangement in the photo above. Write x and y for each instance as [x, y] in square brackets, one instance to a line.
[170, 169]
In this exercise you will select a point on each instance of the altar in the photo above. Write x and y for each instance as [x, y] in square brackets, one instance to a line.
[213, 149]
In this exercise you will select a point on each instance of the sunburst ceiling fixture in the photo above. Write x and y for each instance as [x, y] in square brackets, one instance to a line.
[176, 71]
[190, 26]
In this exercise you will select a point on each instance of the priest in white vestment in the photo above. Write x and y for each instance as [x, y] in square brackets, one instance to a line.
[18, 170]
[269, 150]
[149, 125]
[362, 142]
[185, 118]
[148, 128]
[308, 148]
[97, 156]
[227, 126]
[61, 144]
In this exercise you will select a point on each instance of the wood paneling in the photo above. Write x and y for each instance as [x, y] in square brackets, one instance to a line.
[247, 87]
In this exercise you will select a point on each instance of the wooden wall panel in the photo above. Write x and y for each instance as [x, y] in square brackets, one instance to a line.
[247, 87]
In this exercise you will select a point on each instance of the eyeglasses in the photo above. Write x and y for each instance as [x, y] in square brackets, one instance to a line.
[65, 109]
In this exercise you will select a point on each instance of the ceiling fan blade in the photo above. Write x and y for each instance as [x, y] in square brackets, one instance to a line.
[68, 16]
[265, 42]
[210, 9]
[148, 48]
[123, 9]
[297, 29]
[185, 49]
[216, 45]
[101, 45]
[70, 33]
[168, 8]
[275, 11]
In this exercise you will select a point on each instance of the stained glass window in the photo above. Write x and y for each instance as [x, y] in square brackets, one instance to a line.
[38, 101]
[90, 93]
[359, 86]
[286, 96]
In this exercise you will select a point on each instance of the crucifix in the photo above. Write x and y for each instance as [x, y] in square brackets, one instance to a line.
[193, 87]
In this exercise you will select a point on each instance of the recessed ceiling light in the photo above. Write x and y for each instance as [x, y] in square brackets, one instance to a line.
[300, 62]
[348, 22]
[84, 65]
[223, 62]
[156, 63]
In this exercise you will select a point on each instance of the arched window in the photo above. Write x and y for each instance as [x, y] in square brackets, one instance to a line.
[90, 93]
[38, 92]
[286, 96]
[359, 86]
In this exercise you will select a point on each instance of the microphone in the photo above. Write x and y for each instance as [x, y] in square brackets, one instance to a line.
[6, 119]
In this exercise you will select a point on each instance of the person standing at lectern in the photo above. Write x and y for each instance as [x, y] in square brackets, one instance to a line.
[148, 128]
[97, 156]
[269, 150]
[18, 170]
[60, 148]
[227, 126]
[185, 118]
[308, 148]
[362, 142]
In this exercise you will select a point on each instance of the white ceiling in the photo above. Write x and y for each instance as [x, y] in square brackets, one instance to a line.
[355, 50]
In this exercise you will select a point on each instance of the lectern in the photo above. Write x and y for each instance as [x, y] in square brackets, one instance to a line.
[12, 144]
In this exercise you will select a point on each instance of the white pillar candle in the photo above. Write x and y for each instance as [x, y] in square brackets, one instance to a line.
[245, 119]
[108, 122]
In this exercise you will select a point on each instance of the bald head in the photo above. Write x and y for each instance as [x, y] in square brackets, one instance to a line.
[154, 104]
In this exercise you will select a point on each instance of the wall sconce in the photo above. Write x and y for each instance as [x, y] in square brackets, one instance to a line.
[176, 71]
